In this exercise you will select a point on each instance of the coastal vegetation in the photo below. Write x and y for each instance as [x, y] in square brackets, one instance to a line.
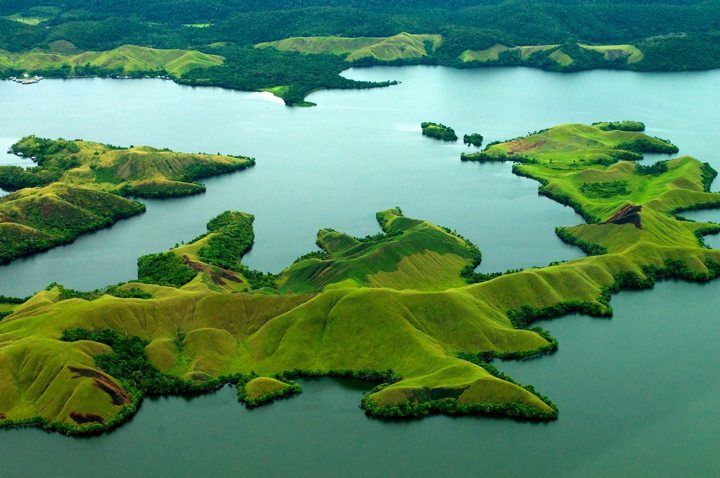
[400, 309]
[303, 47]
[438, 131]
[261, 390]
[80, 186]
[621, 125]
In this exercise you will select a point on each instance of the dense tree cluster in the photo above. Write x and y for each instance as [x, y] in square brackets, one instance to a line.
[164, 269]
[473, 139]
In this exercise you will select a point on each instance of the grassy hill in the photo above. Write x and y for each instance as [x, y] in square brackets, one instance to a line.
[124, 60]
[401, 309]
[80, 186]
[410, 254]
[408, 47]
[403, 46]
[557, 56]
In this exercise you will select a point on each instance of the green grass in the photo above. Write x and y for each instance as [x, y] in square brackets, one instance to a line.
[402, 46]
[561, 58]
[489, 54]
[279, 91]
[394, 305]
[126, 59]
[27, 20]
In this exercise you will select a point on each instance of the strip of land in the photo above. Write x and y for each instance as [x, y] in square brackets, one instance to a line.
[293, 49]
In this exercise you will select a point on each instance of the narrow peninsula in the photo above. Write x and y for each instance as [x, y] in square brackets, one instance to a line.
[79, 186]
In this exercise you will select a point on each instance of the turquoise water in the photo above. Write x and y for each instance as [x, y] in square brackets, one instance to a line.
[637, 393]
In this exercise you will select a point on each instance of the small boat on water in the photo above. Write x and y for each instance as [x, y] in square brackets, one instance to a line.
[26, 79]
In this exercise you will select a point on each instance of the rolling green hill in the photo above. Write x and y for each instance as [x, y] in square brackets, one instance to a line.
[549, 55]
[78, 186]
[403, 46]
[199, 336]
[402, 308]
[125, 60]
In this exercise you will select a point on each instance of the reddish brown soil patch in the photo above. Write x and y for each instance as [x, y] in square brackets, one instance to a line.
[3, 416]
[521, 146]
[217, 275]
[629, 214]
[83, 418]
[118, 395]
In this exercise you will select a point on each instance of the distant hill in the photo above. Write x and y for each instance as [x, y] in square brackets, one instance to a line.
[125, 60]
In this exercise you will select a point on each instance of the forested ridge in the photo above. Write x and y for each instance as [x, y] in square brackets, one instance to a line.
[672, 35]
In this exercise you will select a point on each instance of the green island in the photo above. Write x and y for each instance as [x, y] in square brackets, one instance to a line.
[80, 186]
[438, 131]
[403, 308]
[295, 48]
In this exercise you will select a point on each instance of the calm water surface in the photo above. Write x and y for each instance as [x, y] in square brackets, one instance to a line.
[638, 393]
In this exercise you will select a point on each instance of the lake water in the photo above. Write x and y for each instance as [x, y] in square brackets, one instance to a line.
[335, 165]
[637, 393]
